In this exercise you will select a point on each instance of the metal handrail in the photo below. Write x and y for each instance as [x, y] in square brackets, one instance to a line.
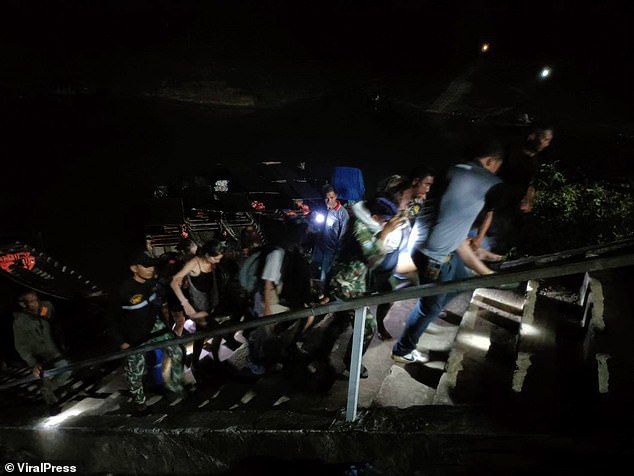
[493, 280]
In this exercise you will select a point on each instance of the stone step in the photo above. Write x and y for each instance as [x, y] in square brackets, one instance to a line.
[509, 301]
[479, 366]
[415, 384]
[499, 317]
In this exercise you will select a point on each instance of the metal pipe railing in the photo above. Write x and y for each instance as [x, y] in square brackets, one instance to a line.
[493, 280]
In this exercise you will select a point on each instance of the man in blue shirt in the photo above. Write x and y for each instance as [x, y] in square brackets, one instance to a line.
[470, 188]
[332, 225]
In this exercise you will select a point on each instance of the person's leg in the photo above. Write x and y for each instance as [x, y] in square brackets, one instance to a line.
[256, 359]
[337, 326]
[301, 327]
[133, 368]
[175, 382]
[381, 313]
[426, 308]
[50, 385]
[380, 282]
[316, 262]
[47, 391]
[326, 263]
[214, 347]
[61, 379]
[53, 359]
[265, 349]
[175, 354]
[196, 351]
[369, 330]
[207, 323]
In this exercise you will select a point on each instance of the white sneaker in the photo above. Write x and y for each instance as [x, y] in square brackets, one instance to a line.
[413, 356]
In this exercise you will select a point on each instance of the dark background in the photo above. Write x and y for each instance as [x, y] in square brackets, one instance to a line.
[87, 133]
[88, 128]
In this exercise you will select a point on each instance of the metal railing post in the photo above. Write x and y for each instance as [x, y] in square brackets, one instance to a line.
[355, 363]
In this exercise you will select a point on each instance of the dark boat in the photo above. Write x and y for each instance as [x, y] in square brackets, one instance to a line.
[29, 267]
[231, 199]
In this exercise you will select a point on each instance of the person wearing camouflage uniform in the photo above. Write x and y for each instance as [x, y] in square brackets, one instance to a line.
[136, 322]
[363, 249]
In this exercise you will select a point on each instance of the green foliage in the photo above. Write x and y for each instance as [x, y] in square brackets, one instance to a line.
[572, 214]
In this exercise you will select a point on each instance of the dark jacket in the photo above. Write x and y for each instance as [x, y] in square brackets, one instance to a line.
[33, 335]
[135, 309]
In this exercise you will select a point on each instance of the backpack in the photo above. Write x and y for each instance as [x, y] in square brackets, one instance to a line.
[251, 270]
[349, 275]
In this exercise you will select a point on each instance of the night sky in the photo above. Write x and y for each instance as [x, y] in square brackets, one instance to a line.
[88, 127]
[119, 46]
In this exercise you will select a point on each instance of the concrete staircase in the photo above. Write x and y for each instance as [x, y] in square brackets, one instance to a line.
[518, 380]
[471, 348]
[539, 344]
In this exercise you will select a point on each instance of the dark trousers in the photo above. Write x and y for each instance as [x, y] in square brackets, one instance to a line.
[429, 307]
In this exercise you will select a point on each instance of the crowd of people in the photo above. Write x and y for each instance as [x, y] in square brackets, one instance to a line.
[397, 237]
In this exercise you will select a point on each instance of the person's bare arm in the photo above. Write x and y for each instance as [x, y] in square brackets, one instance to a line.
[179, 322]
[267, 295]
[485, 255]
[471, 260]
[177, 283]
[392, 225]
[526, 206]
[476, 242]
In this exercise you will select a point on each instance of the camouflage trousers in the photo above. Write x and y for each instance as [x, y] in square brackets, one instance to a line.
[134, 366]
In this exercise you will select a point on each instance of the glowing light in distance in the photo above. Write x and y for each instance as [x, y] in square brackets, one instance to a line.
[485, 47]
[545, 72]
